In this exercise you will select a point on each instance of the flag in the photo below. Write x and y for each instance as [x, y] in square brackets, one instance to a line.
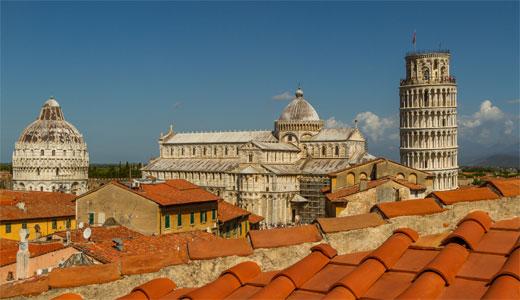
[413, 38]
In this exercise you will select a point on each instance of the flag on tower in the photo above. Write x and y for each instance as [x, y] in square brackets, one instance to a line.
[414, 38]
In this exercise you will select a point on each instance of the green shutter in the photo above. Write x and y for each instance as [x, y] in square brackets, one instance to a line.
[166, 221]
[179, 219]
[192, 218]
[201, 217]
[91, 218]
[214, 214]
[7, 228]
[54, 224]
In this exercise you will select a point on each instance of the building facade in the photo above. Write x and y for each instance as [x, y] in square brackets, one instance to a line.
[50, 155]
[428, 117]
[262, 171]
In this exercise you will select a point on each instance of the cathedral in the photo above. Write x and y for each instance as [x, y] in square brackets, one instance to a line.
[50, 154]
[277, 174]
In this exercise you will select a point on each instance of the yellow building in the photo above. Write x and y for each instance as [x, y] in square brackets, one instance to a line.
[41, 213]
[150, 207]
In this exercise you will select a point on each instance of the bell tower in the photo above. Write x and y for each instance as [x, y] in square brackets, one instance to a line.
[428, 117]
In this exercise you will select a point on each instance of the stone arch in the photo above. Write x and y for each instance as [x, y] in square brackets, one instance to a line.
[363, 176]
[412, 178]
[351, 178]
[399, 175]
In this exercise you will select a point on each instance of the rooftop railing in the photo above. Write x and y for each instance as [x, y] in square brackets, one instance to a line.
[427, 51]
[447, 79]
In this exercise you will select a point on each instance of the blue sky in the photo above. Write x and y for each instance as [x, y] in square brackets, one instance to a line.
[123, 71]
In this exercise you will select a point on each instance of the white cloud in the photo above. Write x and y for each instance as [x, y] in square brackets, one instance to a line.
[283, 96]
[489, 125]
[177, 105]
[376, 127]
[333, 123]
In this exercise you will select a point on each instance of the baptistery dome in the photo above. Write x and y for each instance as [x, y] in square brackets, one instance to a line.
[51, 154]
[299, 110]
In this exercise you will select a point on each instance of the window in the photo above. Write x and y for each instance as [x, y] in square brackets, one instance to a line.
[38, 171]
[7, 228]
[193, 151]
[192, 218]
[240, 227]
[213, 214]
[203, 217]
[250, 157]
[53, 152]
[426, 73]
[179, 219]
[54, 224]
[68, 224]
[226, 151]
[57, 171]
[42, 152]
[323, 151]
[64, 152]
[336, 151]
[91, 218]
[41, 188]
[167, 221]
[182, 151]
[204, 150]
[24, 225]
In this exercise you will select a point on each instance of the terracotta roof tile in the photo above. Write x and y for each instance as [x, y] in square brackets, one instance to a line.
[481, 266]
[279, 237]
[177, 294]
[26, 288]
[9, 248]
[279, 288]
[228, 211]
[431, 241]
[243, 292]
[154, 289]
[255, 219]
[83, 275]
[262, 279]
[222, 287]
[506, 187]
[330, 225]
[498, 242]
[464, 289]
[469, 231]
[409, 208]
[244, 272]
[351, 258]
[304, 295]
[389, 286]
[503, 288]
[413, 260]
[202, 249]
[325, 278]
[68, 296]
[464, 195]
[37, 205]
[509, 224]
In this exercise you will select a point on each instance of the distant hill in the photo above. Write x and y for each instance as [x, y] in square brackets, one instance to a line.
[497, 161]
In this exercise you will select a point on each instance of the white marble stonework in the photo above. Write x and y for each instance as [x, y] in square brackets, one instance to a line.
[428, 117]
[50, 154]
[260, 170]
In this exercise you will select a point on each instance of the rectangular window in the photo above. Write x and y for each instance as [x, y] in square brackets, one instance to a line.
[24, 225]
[54, 224]
[213, 214]
[7, 228]
[192, 218]
[167, 221]
[91, 218]
[240, 226]
[179, 219]
[68, 223]
[203, 217]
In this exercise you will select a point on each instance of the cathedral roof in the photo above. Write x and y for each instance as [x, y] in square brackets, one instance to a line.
[225, 137]
[299, 110]
[51, 127]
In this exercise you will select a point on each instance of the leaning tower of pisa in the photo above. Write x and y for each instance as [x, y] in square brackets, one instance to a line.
[428, 117]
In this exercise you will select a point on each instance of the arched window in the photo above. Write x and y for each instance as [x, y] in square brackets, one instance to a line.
[57, 171]
[193, 151]
[215, 151]
[426, 74]
[336, 151]
[64, 152]
[226, 151]
[42, 152]
[41, 188]
[53, 152]
[38, 171]
[323, 151]
[250, 157]
[182, 151]
[205, 150]
[289, 138]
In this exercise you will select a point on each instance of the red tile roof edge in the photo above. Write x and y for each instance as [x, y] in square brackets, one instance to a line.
[280, 237]
[411, 207]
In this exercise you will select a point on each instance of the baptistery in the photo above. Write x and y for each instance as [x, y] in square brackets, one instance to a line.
[51, 154]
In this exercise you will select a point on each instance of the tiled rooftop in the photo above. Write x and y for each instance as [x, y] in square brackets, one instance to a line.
[228, 211]
[37, 205]
[9, 248]
[506, 187]
[479, 259]
[465, 195]
[170, 247]
[408, 208]
[280, 237]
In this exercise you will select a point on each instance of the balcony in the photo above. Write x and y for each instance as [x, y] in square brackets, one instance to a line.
[445, 79]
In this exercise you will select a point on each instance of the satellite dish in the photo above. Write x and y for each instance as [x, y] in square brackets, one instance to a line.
[87, 233]
[80, 225]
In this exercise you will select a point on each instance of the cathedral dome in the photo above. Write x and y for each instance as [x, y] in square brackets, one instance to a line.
[299, 110]
[50, 154]
[51, 127]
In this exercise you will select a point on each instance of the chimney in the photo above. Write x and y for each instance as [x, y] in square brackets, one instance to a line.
[22, 256]
[118, 244]
[362, 185]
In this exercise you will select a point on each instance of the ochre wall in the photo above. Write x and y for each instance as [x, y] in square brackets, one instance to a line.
[45, 227]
